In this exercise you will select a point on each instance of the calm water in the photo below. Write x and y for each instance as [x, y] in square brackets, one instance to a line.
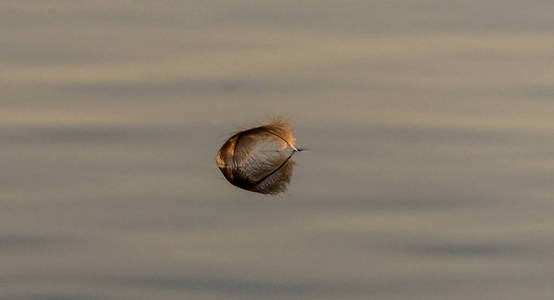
[429, 123]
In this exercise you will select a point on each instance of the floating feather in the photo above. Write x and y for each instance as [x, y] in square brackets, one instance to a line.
[259, 159]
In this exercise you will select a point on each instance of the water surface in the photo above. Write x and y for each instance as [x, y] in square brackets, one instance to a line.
[429, 126]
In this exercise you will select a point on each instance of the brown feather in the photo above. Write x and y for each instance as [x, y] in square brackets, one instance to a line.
[259, 159]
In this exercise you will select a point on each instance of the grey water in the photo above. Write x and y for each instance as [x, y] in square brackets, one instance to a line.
[429, 127]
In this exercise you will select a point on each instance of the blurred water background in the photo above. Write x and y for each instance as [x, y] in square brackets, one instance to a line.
[429, 123]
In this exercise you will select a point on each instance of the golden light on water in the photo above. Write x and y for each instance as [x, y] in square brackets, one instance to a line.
[429, 126]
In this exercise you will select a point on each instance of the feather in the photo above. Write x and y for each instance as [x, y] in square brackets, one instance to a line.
[259, 159]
